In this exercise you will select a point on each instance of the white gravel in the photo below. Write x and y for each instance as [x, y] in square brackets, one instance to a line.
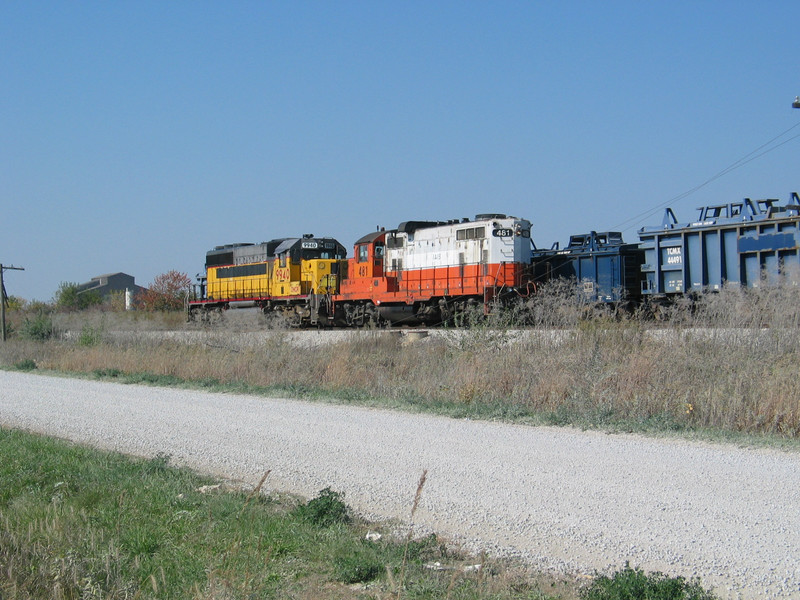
[560, 498]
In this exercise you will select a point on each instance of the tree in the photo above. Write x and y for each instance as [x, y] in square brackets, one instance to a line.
[70, 297]
[167, 292]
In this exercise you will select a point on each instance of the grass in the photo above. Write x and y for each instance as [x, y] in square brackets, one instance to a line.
[78, 523]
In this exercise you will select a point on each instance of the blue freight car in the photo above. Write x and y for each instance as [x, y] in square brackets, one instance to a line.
[746, 243]
[605, 268]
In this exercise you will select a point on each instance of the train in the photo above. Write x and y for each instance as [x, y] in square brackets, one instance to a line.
[426, 273]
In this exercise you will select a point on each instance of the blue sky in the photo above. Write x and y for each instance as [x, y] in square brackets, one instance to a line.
[135, 136]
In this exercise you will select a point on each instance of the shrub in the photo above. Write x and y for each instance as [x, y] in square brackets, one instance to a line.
[38, 328]
[16, 303]
[634, 584]
[325, 510]
[27, 364]
[69, 297]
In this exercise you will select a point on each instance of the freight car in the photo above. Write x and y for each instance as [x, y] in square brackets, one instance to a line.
[747, 243]
[605, 268]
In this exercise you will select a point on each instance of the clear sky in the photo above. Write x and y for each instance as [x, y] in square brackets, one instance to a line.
[137, 135]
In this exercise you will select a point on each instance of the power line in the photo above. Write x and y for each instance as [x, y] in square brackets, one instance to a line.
[749, 157]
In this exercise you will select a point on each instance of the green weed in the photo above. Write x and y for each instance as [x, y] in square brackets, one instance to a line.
[90, 336]
[635, 584]
[26, 364]
[325, 510]
[38, 328]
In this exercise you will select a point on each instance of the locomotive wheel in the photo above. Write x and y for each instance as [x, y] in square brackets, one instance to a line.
[211, 316]
[446, 312]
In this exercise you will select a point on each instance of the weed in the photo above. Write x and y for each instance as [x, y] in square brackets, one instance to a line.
[325, 510]
[358, 563]
[25, 365]
[153, 379]
[159, 463]
[38, 328]
[635, 584]
[110, 373]
[90, 336]
[414, 506]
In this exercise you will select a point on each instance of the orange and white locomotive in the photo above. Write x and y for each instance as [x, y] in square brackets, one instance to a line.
[428, 272]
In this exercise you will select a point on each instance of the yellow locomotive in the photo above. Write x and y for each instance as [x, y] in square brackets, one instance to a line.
[293, 276]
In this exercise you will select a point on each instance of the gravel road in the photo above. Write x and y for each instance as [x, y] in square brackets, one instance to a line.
[562, 499]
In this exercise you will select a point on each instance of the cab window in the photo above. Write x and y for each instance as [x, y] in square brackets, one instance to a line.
[363, 253]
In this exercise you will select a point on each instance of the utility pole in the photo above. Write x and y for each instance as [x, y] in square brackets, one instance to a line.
[3, 297]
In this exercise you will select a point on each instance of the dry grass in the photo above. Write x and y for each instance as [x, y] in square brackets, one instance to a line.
[726, 362]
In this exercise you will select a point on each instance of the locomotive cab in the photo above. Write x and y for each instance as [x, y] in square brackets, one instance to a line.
[366, 270]
[369, 253]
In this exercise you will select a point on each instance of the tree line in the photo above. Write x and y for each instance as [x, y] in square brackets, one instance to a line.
[167, 292]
